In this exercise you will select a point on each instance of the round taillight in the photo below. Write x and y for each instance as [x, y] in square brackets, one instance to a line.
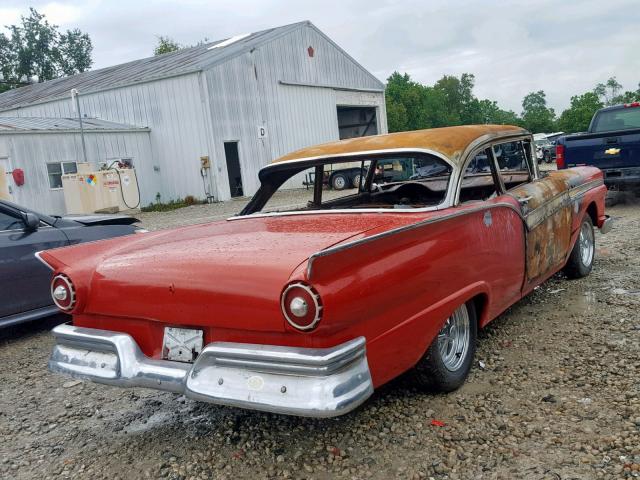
[63, 293]
[301, 306]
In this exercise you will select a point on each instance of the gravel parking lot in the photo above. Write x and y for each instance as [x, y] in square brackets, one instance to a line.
[554, 394]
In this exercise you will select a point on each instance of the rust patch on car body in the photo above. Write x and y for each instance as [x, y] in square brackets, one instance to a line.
[548, 212]
[448, 141]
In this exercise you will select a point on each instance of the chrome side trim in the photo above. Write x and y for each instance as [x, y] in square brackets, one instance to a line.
[563, 199]
[316, 382]
[539, 214]
[406, 228]
[37, 255]
[585, 187]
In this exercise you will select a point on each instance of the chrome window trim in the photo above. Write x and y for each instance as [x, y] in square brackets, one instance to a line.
[481, 143]
[446, 202]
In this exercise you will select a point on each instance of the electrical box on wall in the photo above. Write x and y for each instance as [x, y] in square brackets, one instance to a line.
[204, 162]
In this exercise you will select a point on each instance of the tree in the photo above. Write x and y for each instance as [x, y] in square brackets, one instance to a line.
[450, 101]
[36, 51]
[166, 45]
[490, 112]
[75, 52]
[609, 91]
[577, 117]
[405, 103]
[536, 116]
[459, 99]
[630, 96]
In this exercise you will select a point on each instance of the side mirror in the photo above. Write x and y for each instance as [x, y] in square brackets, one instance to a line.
[31, 222]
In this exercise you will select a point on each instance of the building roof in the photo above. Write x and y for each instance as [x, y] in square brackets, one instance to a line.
[448, 141]
[48, 124]
[172, 64]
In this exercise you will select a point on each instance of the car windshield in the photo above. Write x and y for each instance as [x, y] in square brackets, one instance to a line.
[409, 180]
[619, 119]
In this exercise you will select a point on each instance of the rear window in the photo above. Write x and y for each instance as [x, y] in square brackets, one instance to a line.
[410, 180]
[623, 119]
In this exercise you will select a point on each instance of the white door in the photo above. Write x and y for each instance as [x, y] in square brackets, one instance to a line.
[6, 181]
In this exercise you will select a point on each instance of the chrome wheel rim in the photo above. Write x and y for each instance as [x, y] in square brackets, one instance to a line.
[356, 181]
[454, 339]
[586, 244]
[338, 183]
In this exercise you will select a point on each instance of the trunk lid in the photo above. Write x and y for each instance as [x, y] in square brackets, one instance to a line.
[228, 274]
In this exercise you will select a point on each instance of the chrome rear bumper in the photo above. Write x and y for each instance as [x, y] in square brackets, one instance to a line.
[314, 382]
[607, 225]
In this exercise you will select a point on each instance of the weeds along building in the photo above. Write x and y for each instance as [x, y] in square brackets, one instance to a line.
[233, 105]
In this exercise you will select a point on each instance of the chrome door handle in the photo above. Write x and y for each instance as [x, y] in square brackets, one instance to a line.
[524, 200]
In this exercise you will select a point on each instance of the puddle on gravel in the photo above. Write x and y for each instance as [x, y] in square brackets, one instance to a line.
[151, 422]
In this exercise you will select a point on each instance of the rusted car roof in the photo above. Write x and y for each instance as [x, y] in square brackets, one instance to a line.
[449, 141]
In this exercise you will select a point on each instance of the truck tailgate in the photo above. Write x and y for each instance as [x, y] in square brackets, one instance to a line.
[619, 149]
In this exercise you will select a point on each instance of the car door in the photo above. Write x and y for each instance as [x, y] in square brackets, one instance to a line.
[496, 231]
[24, 280]
[545, 207]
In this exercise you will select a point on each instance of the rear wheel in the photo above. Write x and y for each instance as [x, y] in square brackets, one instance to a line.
[339, 181]
[580, 261]
[356, 180]
[448, 360]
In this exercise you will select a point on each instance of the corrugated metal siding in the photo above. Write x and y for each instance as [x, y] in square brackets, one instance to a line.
[183, 61]
[172, 108]
[194, 114]
[31, 152]
[246, 92]
[12, 124]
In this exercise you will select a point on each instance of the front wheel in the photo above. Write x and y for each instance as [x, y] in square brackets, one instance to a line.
[580, 261]
[448, 360]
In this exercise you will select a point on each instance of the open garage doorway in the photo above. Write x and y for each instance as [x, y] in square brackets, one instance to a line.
[357, 121]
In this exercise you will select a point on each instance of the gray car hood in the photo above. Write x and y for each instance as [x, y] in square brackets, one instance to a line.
[102, 219]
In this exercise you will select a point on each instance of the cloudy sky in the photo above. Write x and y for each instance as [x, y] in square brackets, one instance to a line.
[562, 47]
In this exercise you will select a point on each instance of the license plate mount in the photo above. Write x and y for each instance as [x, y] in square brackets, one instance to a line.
[182, 344]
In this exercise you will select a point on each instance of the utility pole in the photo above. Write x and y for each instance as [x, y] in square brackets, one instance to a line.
[76, 107]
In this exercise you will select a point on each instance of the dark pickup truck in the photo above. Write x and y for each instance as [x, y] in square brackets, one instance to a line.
[612, 144]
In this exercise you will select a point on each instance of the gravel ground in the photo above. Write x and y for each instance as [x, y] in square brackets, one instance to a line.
[554, 394]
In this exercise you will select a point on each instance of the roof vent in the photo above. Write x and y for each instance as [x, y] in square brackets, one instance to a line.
[229, 41]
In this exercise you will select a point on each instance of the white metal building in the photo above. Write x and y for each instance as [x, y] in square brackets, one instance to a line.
[240, 102]
[47, 148]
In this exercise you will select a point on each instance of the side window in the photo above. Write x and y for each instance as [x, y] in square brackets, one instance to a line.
[513, 163]
[9, 222]
[479, 182]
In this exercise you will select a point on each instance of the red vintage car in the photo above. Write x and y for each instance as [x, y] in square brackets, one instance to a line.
[305, 305]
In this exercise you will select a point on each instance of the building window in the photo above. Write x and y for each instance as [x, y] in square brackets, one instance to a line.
[57, 169]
